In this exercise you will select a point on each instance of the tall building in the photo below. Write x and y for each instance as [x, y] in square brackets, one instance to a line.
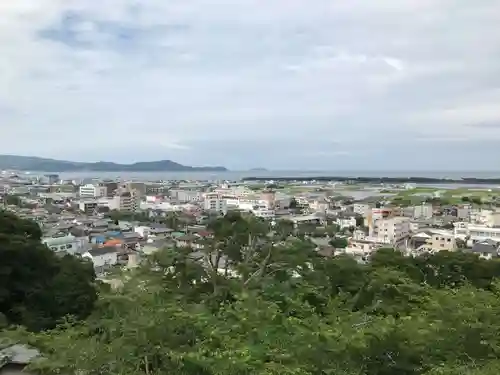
[214, 202]
[92, 191]
[390, 229]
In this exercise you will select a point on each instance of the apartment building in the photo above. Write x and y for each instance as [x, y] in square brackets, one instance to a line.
[346, 221]
[237, 191]
[475, 232]
[88, 205]
[361, 209]
[390, 229]
[92, 191]
[423, 211]
[186, 195]
[263, 212]
[122, 201]
[214, 202]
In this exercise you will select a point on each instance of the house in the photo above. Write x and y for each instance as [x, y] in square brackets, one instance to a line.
[346, 221]
[152, 246]
[153, 230]
[15, 358]
[361, 248]
[486, 249]
[67, 244]
[433, 240]
[131, 238]
[189, 240]
[103, 257]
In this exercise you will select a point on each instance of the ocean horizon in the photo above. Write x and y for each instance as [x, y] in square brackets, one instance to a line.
[238, 175]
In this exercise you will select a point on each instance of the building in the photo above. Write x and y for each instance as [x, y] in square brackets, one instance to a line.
[346, 221]
[423, 211]
[390, 229]
[92, 191]
[433, 240]
[487, 249]
[186, 196]
[362, 209]
[214, 202]
[67, 244]
[263, 212]
[475, 233]
[122, 201]
[269, 197]
[463, 212]
[237, 191]
[103, 257]
[88, 206]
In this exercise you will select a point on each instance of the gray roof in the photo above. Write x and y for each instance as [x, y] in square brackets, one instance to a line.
[488, 246]
[96, 251]
[18, 354]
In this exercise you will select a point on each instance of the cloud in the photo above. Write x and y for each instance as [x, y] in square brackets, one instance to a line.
[251, 83]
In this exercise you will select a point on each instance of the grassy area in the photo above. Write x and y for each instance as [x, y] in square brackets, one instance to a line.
[452, 196]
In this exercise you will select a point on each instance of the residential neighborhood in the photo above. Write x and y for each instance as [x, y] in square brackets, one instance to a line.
[117, 223]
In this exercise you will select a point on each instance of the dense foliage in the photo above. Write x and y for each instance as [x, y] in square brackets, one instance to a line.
[38, 288]
[287, 311]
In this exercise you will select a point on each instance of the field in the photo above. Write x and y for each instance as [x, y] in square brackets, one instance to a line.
[451, 196]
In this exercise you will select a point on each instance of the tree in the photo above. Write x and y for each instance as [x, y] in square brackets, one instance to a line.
[339, 242]
[284, 229]
[11, 225]
[37, 288]
[285, 310]
[12, 200]
[360, 221]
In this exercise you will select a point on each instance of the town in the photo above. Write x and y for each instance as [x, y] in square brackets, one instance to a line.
[118, 223]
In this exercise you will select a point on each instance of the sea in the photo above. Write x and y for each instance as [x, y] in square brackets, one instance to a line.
[238, 175]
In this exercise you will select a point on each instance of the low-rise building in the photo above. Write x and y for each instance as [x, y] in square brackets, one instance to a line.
[433, 240]
[103, 257]
[67, 244]
[486, 249]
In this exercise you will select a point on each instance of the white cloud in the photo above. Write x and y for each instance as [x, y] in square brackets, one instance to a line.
[122, 72]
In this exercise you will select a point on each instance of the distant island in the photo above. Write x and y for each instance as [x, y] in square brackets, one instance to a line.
[382, 180]
[258, 170]
[31, 163]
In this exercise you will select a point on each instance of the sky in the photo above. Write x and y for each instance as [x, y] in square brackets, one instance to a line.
[279, 84]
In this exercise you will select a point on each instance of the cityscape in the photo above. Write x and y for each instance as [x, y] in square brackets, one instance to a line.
[109, 221]
[216, 234]
[249, 187]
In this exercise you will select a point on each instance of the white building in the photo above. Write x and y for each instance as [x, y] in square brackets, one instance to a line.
[263, 212]
[361, 208]
[92, 191]
[390, 230]
[127, 201]
[475, 232]
[346, 222]
[67, 244]
[237, 191]
[423, 211]
[215, 202]
[87, 205]
[102, 257]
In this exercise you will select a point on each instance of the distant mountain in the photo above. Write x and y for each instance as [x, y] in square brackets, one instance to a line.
[31, 163]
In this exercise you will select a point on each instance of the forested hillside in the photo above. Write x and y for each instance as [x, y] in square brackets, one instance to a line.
[289, 311]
